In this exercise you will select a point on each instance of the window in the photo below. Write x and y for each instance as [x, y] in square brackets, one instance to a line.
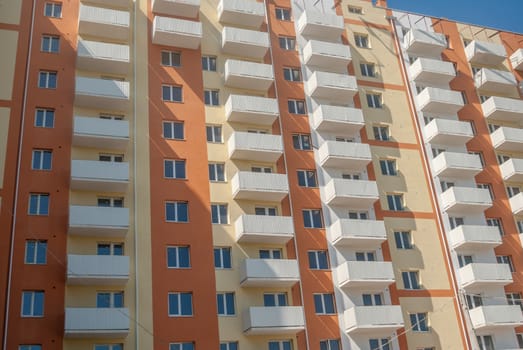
[53, 9]
[50, 43]
[368, 69]
[403, 240]
[108, 347]
[324, 304]
[181, 346]
[280, 345]
[30, 347]
[267, 211]
[302, 142]
[270, 253]
[287, 42]
[38, 204]
[519, 336]
[114, 202]
[177, 211]
[355, 10]
[519, 223]
[374, 100]
[505, 259]
[485, 342]
[219, 214]
[172, 93]
[361, 40]
[216, 172]
[109, 299]
[445, 185]
[379, 344]
[351, 176]
[32, 303]
[292, 74]
[274, 299]
[410, 279]
[381, 133]
[178, 257]
[512, 191]
[111, 116]
[419, 322]
[171, 58]
[296, 106]
[231, 345]
[514, 299]
[365, 256]
[44, 118]
[372, 299]
[106, 157]
[111, 248]
[358, 215]
[473, 301]
[464, 260]
[214, 133]
[225, 304]
[35, 252]
[455, 222]
[180, 304]
[330, 344]
[174, 169]
[388, 167]
[173, 130]
[395, 202]
[211, 97]
[487, 187]
[222, 258]
[312, 218]
[307, 178]
[42, 159]
[209, 63]
[318, 260]
[496, 223]
[502, 158]
[47, 80]
[283, 14]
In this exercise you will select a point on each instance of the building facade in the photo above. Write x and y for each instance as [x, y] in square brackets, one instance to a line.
[242, 174]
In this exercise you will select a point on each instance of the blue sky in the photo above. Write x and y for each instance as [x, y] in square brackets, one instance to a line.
[501, 14]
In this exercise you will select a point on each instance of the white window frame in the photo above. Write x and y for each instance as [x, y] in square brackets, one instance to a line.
[388, 167]
[47, 115]
[381, 132]
[39, 207]
[330, 344]
[114, 202]
[293, 73]
[108, 346]
[209, 63]
[310, 214]
[171, 91]
[376, 299]
[223, 252]
[383, 344]
[33, 300]
[506, 259]
[267, 211]
[486, 342]
[368, 69]
[214, 173]
[47, 74]
[293, 106]
[174, 163]
[177, 263]
[496, 222]
[229, 345]
[214, 134]
[50, 43]
[287, 43]
[403, 239]
[211, 97]
[361, 40]
[39, 245]
[301, 143]
[112, 246]
[42, 153]
[220, 219]
[181, 346]
[282, 13]
[223, 296]
[307, 178]
[374, 100]
[173, 58]
[316, 255]
[56, 9]
[412, 280]
[419, 322]
[323, 297]
[397, 202]
[358, 215]
[176, 214]
[276, 296]
[171, 125]
[282, 344]
[112, 295]
[178, 296]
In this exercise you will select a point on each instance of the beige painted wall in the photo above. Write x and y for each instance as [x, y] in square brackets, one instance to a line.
[10, 11]
[9, 40]
[4, 128]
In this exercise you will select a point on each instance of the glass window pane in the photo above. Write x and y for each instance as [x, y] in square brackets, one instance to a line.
[318, 305]
[41, 252]
[322, 258]
[172, 256]
[168, 168]
[180, 169]
[230, 303]
[226, 258]
[103, 300]
[221, 307]
[184, 258]
[301, 178]
[30, 251]
[44, 205]
[182, 212]
[118, 299]
[27, 298]
[173, 304]
[186, 304]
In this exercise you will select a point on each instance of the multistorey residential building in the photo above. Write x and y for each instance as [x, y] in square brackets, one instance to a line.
[243, 174]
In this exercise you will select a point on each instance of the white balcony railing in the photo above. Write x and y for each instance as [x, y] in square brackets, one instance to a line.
[516, 204]
[474, 237]
[103, 22]
[370, 275]
[100, 133]
[517, 59]
[512, 170]
[98, 221]
[341, 120]
[251, 109]
[102, 57]
[465, 200]
[424, 43]
[499, 81]
[244, 42]
[96, 322]
[495, 317]
[355, 194]
[183, 8]
[357, 233]
[268, 273]
[457, 165]
[322, 26]
[329, 56]
[249, 13]
[92, 175]
[255, 147]
[259, 186]
[274, 320]
[477, 276]
[502, 108]
[374, 320]
[507, 139]
[439, 101]
[344, 155]
[97, 270]
[432, 71]
[485, 53]
[102, 93]
[264, 229]
[177, 32]
[448, 132]
[248, 75]
[333, 87]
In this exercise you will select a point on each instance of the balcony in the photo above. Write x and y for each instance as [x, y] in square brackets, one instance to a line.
[512, 170]
[431, 71]
[321, 26]
[102, 93]
[496, 317]
[517, 59]
[177, 32]
[503, 109]
[330, 56]
[439, 101]
[376, 320]
[248, 13]
[245, 43]
[98, 221]
[91, 175]
[344, 155]
[485, 53]
[100, 133]
[115, 3]
[97, 270]
[357, 233]
[516, 204]
[183, 8]
[102, 57]
[448, 132]
[264, 229]
[507, 139]
[332, 86]
[474, 237]
[370, 275]
[259, 186]
[248, 75]
[478, 276]
[255, 147]
[269, 273]
[273, 320]
[457, 165]
[103, 22]
[251, 110]
[96, 323]
[466, 200]
[424, 43]
[355, 194]
[336, 119]
[499, 81]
